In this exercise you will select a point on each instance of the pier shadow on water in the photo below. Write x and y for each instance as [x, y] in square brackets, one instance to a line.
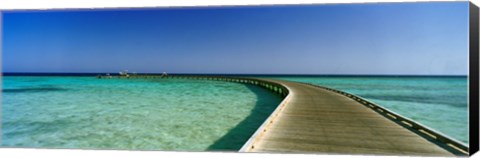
[238, 135]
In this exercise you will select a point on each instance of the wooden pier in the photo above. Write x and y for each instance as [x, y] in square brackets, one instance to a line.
[315, 119]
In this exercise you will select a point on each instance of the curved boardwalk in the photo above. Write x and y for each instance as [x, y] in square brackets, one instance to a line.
[323, 120]
[319, 120]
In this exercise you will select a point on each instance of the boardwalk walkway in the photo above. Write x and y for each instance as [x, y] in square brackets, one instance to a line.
[319, 120]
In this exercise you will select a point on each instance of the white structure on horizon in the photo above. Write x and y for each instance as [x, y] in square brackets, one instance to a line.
[164, 74]
[124, 73]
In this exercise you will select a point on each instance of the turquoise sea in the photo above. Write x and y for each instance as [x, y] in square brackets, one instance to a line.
[137, 114]
[194, 115]
[440, 103]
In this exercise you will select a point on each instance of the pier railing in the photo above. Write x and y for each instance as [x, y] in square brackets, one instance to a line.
[438, 138]
[272, 86]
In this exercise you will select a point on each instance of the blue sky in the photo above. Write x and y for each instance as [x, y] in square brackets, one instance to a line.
[388, 38]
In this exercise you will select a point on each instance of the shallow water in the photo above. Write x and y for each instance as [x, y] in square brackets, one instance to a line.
[137, 114]
[437, 102]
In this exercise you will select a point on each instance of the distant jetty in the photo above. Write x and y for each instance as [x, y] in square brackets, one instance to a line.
[125, 74]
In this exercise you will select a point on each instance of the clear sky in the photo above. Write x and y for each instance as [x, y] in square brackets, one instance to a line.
[388, 38]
